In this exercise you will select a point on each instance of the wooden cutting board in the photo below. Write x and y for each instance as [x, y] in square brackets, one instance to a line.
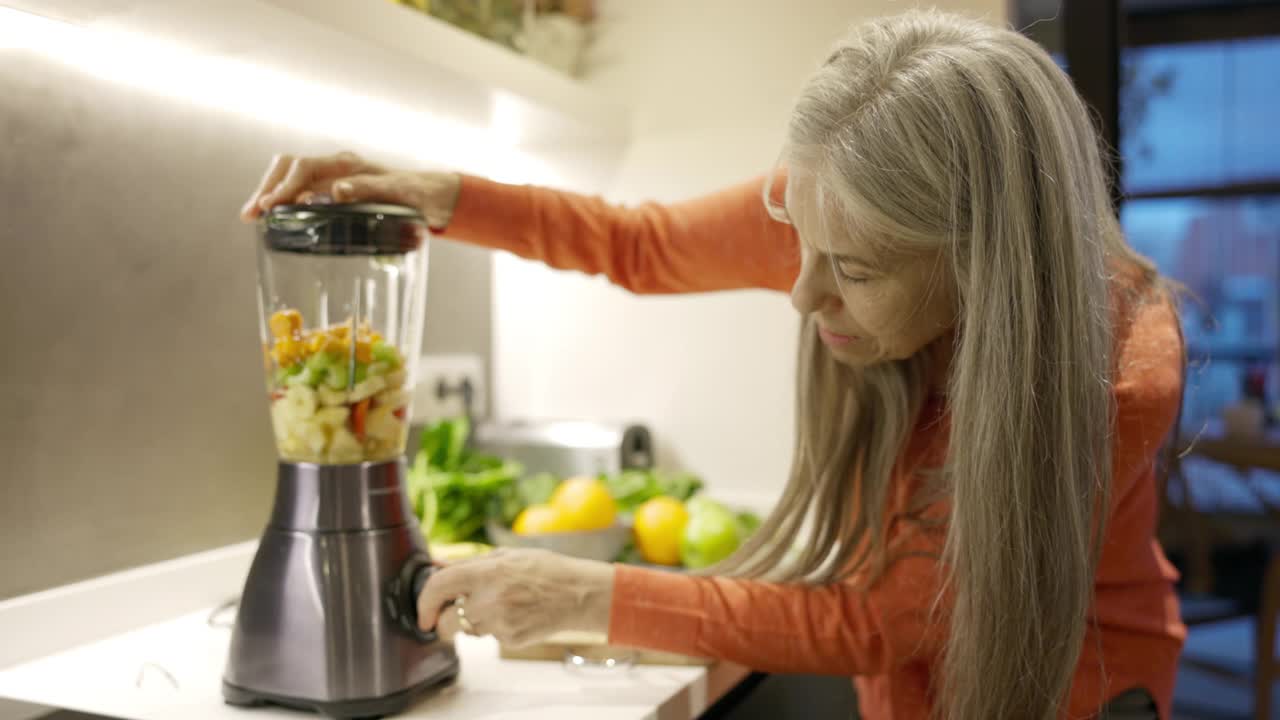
[594, 646]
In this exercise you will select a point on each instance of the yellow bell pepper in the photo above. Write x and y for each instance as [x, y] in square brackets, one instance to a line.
[288, 351]
[285, 323]
[364, 351]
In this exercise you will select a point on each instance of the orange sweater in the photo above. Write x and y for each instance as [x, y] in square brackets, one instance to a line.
[881, 635]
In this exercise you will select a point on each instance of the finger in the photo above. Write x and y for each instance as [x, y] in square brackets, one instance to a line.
[444, 585]
[314, 174]
[448, 627]
[311, 197]
[301, 171]
[275, 171]
[486, 557]
[390, 188]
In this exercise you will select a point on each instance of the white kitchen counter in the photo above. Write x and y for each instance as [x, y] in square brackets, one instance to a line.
[139, 645]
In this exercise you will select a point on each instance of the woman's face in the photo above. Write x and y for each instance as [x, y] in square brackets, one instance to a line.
[867, 315]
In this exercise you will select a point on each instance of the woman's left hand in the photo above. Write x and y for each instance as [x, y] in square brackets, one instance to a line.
[519, 596]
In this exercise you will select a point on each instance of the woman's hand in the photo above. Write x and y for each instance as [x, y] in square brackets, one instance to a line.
[520, 596]
[347, 178]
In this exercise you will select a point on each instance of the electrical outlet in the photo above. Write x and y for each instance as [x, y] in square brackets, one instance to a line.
[447, 372]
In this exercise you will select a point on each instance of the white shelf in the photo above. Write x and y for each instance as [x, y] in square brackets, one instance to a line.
[441, 46]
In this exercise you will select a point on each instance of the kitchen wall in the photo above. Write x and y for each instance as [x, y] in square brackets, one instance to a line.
[134, 427]
[711, 83]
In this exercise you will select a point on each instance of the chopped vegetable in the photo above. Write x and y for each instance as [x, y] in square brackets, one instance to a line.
[359, 415]
[313, 381]
[285, 323]
[383, 353]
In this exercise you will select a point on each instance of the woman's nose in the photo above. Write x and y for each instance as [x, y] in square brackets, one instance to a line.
[812, 291]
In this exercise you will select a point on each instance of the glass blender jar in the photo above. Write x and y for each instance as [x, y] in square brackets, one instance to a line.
[342, 293]
[328, 619]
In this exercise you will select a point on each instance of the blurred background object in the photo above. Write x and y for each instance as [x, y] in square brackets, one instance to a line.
[1188, 94]
[553, 32]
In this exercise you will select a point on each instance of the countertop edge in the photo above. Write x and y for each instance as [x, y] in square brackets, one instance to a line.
[100, 607]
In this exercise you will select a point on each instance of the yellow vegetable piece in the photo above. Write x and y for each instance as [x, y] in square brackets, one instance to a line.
[586, 503]
[659, 524]
[285, 323]
[364, 351]
[287, 351]
[537, 519]
[341, 331]
[321, 341]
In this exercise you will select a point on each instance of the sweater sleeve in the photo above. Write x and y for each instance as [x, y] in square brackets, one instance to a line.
[831, 629]
[721, 241]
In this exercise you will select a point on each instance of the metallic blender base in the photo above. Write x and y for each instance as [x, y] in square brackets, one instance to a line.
[326, 618]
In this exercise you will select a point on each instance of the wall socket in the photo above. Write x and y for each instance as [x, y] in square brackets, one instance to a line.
[451, 370]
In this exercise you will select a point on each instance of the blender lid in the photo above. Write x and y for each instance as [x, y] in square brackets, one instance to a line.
[344, 229]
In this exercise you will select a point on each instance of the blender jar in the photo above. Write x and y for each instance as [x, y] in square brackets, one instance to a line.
[341, 292]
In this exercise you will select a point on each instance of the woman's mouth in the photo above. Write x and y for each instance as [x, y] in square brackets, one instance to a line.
[834, 339]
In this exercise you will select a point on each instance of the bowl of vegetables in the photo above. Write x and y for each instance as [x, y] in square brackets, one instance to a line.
[470, 502]
[578, 517]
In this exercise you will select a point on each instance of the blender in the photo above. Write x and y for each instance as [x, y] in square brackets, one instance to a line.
[327, 620]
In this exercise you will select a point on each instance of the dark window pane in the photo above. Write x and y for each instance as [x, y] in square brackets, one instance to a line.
[1200, 114]
[1227, 254]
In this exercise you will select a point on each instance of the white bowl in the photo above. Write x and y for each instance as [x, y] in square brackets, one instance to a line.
[605, 544]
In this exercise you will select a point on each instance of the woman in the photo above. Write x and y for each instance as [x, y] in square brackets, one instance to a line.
[987, 372]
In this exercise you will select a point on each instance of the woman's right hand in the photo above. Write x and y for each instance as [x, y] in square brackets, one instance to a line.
[348, 178]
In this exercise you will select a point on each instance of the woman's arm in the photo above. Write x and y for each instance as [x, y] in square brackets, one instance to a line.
[721, 241]
[835, 629]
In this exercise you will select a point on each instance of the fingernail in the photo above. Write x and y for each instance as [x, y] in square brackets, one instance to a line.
[343, 187]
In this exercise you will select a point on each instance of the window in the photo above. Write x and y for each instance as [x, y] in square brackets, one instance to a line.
[1201, 158]
[1226, 252]
[1199, 115]
[1189, 92]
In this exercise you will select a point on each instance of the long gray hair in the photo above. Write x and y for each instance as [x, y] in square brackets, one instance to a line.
[928, 131]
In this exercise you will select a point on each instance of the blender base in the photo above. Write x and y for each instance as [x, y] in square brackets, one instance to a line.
[328, 619]
[341, 709]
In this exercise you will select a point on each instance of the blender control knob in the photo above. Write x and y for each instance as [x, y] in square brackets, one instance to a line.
[401, 597]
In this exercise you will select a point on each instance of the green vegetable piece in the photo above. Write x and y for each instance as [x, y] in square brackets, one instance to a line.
[379, 368]
[680, 486]
[336, 377]
[321, 361]
[283, 374]
[444, 443]
[430, 510]
[384, 353]
[466, 488]
[305, 377]
[362, 372]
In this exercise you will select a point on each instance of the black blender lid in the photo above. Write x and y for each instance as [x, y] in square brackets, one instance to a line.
[344, 229]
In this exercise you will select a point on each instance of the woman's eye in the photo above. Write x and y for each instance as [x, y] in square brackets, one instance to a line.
[856, 277]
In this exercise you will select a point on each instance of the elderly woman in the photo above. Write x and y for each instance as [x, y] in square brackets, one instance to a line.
[987, 372]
